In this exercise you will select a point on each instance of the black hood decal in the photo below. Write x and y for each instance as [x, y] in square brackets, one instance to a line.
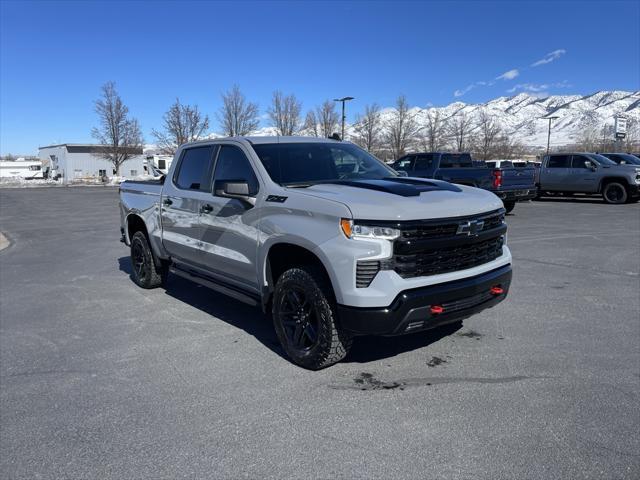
[403, 186]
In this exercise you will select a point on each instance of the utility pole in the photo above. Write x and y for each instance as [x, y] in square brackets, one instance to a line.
[549, 132]
[343, 100]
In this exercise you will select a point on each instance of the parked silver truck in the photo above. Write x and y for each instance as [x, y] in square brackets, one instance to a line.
[328, 239]
[591, 173]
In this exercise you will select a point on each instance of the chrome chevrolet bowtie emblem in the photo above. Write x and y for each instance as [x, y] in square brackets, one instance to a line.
[470, 227]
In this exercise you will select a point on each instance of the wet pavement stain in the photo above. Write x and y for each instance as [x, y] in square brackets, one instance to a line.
[470, 334]
[366, 381]
[435, 361]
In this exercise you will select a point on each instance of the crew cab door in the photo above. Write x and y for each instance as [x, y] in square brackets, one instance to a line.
[555, 173]
[583, 178]
[182, 197]
[229, 225]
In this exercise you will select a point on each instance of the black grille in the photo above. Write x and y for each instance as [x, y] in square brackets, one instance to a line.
[431, 229]
[443, 260]
[366, 270]
[432, 248]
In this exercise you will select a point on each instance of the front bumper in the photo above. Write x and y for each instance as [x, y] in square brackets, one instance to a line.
[516, 195]
[411, 310]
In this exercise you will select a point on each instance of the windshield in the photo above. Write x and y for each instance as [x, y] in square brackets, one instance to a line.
[302, 164]
[624, 158]
[601, 159]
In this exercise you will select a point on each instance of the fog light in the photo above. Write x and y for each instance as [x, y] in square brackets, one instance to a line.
[436, 309]
[497, 290]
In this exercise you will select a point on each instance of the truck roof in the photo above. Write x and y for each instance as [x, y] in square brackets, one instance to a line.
[292, 139]
[255, 140]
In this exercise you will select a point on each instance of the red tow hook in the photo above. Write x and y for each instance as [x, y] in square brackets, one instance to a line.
[497, 290]
[436, 309]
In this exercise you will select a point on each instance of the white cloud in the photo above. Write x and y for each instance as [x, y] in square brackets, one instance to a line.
[510, 75]
[550, 57]
[537, 88]
[468, 88]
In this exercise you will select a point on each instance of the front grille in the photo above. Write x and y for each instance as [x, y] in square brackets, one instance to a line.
[433, 248]
[430, 229]
[444, 260]
[366, 270]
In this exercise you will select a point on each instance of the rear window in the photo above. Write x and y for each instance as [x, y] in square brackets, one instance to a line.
[559, 161]
[455, 160]
[194, 169]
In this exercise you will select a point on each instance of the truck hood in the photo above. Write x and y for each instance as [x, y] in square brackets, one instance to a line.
[626, 168]
[378, 200]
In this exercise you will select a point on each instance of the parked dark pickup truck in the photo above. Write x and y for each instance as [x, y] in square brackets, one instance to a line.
[510, 184]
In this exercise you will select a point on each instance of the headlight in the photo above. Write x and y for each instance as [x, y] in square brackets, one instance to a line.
[367, 231]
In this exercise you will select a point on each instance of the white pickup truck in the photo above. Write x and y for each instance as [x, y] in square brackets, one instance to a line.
[321, 234]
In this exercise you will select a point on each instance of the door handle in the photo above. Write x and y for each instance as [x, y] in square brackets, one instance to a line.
[167, 202]
[206, 208]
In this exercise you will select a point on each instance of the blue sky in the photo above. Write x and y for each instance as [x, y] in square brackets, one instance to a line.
[54, 56]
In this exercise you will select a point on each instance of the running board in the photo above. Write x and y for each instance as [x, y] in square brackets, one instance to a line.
[218, 287]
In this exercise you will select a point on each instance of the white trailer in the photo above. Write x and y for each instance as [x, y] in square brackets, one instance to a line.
[26, 169]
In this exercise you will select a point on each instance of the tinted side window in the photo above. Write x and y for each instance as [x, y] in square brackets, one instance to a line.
[424, 162]
[578, 161]
[455, 160]
[559, 161]
[193, 171]
[233, 165]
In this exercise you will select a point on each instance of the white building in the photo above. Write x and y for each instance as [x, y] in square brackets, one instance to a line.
[71, 161]
[21, 168]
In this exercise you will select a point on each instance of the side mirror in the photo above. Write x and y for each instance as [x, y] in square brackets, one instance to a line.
[236, 189]
[402, 173]
[590, 165]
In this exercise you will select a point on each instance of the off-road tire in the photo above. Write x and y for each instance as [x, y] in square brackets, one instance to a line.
[331, 344]
[145, 273]
[509, 206]
[615, 193]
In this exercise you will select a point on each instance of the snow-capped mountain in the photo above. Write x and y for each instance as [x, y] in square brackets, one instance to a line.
[521, 116]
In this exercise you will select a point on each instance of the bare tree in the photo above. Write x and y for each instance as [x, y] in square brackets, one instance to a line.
[285, 113]
[402, 128]
[433, 135]
[237, 116]
[327, 118]
[460, 125]
[368, 129]
[310, 126]
[488, 134]
[632, 140]
[119, 136]
[506, 147]
[592, 136]
[182, 124]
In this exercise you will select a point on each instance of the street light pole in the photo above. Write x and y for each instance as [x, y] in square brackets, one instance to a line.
[343, 100]
[549, 132]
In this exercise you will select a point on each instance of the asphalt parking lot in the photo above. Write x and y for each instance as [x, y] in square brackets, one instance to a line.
[100, 379]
